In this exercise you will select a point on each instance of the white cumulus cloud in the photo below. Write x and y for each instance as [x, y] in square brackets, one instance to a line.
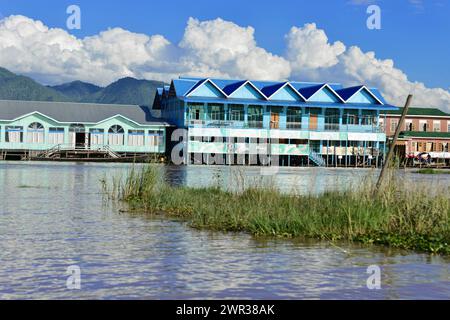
[214, 48]
[333, 62]
[228, 49]
[308, 47]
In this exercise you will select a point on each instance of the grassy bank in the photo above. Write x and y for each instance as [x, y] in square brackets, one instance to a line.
[432, 171]
[401, 215]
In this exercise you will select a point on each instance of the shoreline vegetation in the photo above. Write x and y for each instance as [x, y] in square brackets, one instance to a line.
[432, 171]
[400, 215]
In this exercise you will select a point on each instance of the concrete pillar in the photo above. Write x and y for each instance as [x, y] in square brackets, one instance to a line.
[305, 118]
[246, 114]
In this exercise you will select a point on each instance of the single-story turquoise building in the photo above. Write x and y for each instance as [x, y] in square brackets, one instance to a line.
[27, 126]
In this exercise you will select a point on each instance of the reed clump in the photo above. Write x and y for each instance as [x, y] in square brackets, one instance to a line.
[403, 215]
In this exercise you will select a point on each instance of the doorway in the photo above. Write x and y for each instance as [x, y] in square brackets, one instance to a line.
[274, 121]
[81, 140]
[314, 118]
[313, 121]
[78, 135]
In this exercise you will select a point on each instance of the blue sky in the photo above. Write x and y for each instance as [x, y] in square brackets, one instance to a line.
[414, 35]
[321, 40]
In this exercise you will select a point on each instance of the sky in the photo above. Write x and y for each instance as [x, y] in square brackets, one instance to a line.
[321, 40]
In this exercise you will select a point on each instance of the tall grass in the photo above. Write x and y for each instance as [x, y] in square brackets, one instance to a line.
[401, 215]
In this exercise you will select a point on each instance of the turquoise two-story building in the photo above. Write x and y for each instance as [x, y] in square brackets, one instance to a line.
[282, 123]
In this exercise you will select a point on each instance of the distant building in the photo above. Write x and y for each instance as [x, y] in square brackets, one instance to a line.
[36, 127]
[425, 130]
[297, 123]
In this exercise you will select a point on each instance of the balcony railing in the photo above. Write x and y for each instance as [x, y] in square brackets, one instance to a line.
[226, 124]
[332, 127]
[255, 124]
[293, 125]
[289, 126]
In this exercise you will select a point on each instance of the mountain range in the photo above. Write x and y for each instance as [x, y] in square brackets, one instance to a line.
[123, 91]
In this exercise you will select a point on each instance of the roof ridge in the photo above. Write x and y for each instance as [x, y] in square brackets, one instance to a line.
[72, 102]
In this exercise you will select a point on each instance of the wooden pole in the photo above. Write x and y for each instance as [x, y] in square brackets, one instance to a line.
[394, 142]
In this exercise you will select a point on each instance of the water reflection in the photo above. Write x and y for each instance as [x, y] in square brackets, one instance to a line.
[51, 217]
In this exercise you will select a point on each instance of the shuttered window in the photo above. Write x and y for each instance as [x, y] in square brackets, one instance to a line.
[97, 136]
[155, 138]
[35, 133]
[14, 134]
[55, 135]
[136, 137]
[116, 136]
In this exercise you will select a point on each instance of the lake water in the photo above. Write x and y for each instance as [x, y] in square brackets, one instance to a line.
[52, 216]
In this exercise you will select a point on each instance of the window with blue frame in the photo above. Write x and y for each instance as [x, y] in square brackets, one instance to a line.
[136, 137]
[294, 118]
[35, 133]
[55, 135]
[155, 138]
[216, 112]
[331, 119]
[255, 116]
[116, 135]
[97, 136]
[14, 134]
[350, 116]
[196, 111]
[368, 117]
[236, 112]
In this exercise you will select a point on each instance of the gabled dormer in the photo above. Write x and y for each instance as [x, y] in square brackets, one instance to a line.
[244, 90]
[206, 88]
[359, 94]
[284, 92]
[320, 93]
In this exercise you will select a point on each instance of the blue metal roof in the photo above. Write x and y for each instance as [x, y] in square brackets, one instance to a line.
[262, 84]
[230, 88]
[299, 85]
[222, 83]
[185, 85]
[308, 92]
[271, 89]
[378, 94]
[348, 92]
[335, 86]
[198, 84]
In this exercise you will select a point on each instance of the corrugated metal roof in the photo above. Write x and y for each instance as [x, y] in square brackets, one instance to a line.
[348, 92]
[422, 111]
[229, 89]
[271, 89]
[378, 94]
[185, 85]
[71, 112]
[424, 134]
[308, 92]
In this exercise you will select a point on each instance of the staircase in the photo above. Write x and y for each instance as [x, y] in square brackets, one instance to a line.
[110, 152]
[50, 152]
[317, 159]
